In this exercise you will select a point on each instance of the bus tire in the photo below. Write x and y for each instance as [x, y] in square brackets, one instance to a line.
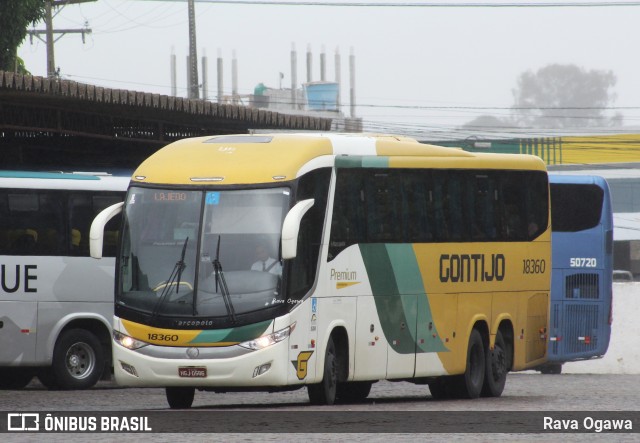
[324, 393]
[442, 388]
[551, 368]
[180, 398]
[353, 391]
[15, 377]
[78, 360]
[496, 369]
[469, 384]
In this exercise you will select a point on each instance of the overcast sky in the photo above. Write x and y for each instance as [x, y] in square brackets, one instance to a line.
[409, 60]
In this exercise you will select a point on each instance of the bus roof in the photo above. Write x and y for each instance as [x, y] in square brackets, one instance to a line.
[269, 158]
[578, 179]
[62, 180]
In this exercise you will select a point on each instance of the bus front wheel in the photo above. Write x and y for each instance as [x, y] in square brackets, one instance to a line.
[324, 393]
[78, 361]
[180, 398]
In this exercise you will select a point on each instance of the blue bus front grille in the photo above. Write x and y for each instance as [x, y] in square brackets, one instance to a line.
[582, 286]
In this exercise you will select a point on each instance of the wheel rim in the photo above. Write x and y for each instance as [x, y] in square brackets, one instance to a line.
[80, 360]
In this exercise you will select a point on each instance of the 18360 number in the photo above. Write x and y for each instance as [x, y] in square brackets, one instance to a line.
[534, 266]
[162, 337]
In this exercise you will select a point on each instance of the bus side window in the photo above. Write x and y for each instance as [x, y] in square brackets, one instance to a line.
[314, 185]
[83, 207]
[80, 216]
[536, 204]
[112, 229]
[32, 221]
[380, 199]
[482, 204]
[514, 214]
[417, 226]
[348, 224]
[439, 204]
[456, 206]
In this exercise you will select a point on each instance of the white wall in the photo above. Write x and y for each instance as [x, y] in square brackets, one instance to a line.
[623, 355]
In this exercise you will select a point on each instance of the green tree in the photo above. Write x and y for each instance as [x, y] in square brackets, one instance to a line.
[15, 17]
[565, 96]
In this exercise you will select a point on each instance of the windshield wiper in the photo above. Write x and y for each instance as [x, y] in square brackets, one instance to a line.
[220, 280]
[174, 278]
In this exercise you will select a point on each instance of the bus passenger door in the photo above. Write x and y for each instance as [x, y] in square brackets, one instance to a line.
[396, 283]
[370, 343]
[401, 312]
[437, 316]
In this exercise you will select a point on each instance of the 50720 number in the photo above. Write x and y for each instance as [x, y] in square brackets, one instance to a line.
[534, 266]
[583, 262]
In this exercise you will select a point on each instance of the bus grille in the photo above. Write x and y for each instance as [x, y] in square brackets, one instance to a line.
[582, 286]
[582, 328]
[556, 312]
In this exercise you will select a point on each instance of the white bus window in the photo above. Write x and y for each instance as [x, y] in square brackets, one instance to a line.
[33, 223]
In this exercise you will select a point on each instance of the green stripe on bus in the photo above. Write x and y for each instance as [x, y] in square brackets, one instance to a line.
[400, 298]
[361, 161]
[375, 162]
[405, 268]
[233, 335]
[348, 161]
[392, 312]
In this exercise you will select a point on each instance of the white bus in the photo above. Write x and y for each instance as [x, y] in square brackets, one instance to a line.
[271, 262]
[56, 303]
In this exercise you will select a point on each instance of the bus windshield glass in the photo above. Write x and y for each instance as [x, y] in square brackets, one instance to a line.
[201, 253]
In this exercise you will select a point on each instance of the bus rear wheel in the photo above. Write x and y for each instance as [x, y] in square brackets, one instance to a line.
[442, 388]
[551, 368]
[324, 393]
[496, 369]
[469, 384]
[180, 398]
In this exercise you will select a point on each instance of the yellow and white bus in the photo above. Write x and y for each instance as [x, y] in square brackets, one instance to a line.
[273, 262]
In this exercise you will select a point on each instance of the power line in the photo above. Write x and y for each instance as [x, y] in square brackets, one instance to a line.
[48, 32]
[583, 4]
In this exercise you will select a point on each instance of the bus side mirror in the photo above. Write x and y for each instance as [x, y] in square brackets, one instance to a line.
[291, 226]
[96, 233]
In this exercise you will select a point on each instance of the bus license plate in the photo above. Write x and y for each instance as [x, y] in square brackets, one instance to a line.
[192, 372]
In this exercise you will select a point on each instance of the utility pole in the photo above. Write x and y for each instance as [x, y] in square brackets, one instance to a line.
[193, 56]
[49, 31]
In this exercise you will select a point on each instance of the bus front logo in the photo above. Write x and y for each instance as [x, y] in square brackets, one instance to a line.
[301, 364]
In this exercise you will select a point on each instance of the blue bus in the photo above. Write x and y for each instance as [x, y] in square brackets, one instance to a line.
[582, 257]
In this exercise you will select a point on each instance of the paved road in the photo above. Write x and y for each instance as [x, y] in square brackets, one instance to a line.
[524, 392]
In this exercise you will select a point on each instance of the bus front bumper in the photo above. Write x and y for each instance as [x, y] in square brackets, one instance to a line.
[261, 368]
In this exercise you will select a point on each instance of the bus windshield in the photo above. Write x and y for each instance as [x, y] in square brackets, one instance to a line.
[201, 253]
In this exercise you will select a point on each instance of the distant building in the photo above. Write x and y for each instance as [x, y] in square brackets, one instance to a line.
[314, 99]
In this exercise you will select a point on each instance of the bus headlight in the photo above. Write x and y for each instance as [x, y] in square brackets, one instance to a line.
[268, 340]
[128, 342]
